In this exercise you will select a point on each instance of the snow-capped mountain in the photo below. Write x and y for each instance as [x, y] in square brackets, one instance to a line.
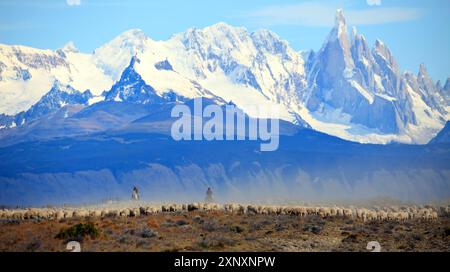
[132, 88]
[364, 89]
[347, 88]
[114, 56]
[58, 96]
[27, 74]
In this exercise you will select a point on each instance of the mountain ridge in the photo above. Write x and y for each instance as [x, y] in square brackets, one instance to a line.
[346, 89]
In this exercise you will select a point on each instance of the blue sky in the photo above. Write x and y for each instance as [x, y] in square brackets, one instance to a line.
[416, 31]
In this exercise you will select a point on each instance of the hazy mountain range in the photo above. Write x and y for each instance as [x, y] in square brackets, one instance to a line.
[79, 127]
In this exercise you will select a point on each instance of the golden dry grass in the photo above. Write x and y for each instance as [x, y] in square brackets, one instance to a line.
[218, 231]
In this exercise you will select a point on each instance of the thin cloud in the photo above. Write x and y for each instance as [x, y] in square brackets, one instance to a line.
[73, 2]
[19, 26]
[322, 15]
[383, 16]
[374, 2]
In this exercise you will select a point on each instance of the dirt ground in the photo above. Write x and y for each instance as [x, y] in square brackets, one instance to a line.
[218, 231]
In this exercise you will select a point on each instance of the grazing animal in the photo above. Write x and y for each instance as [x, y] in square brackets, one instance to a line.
[393, 213]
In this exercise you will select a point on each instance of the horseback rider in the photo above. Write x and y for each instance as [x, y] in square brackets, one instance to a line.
[209, 195]
[135, 194]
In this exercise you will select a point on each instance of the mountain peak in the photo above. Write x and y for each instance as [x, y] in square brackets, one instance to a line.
[265, 34]
[129, 43]
[447, 84]
[133, 38]
[262, 32]
[132, 88]
[422, 71]
[70, 48]
[269, 40]
[221, 25]
[58, 86]
[338, 41]
[223, 28]
[339, 31]
[133, 61]
[339, 19]
[130, 74]
[379, 44]
[354, 31]
[134, 32]
[357, 37]
[382, 50]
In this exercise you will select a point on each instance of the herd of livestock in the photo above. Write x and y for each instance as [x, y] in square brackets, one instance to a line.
[133, 209]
